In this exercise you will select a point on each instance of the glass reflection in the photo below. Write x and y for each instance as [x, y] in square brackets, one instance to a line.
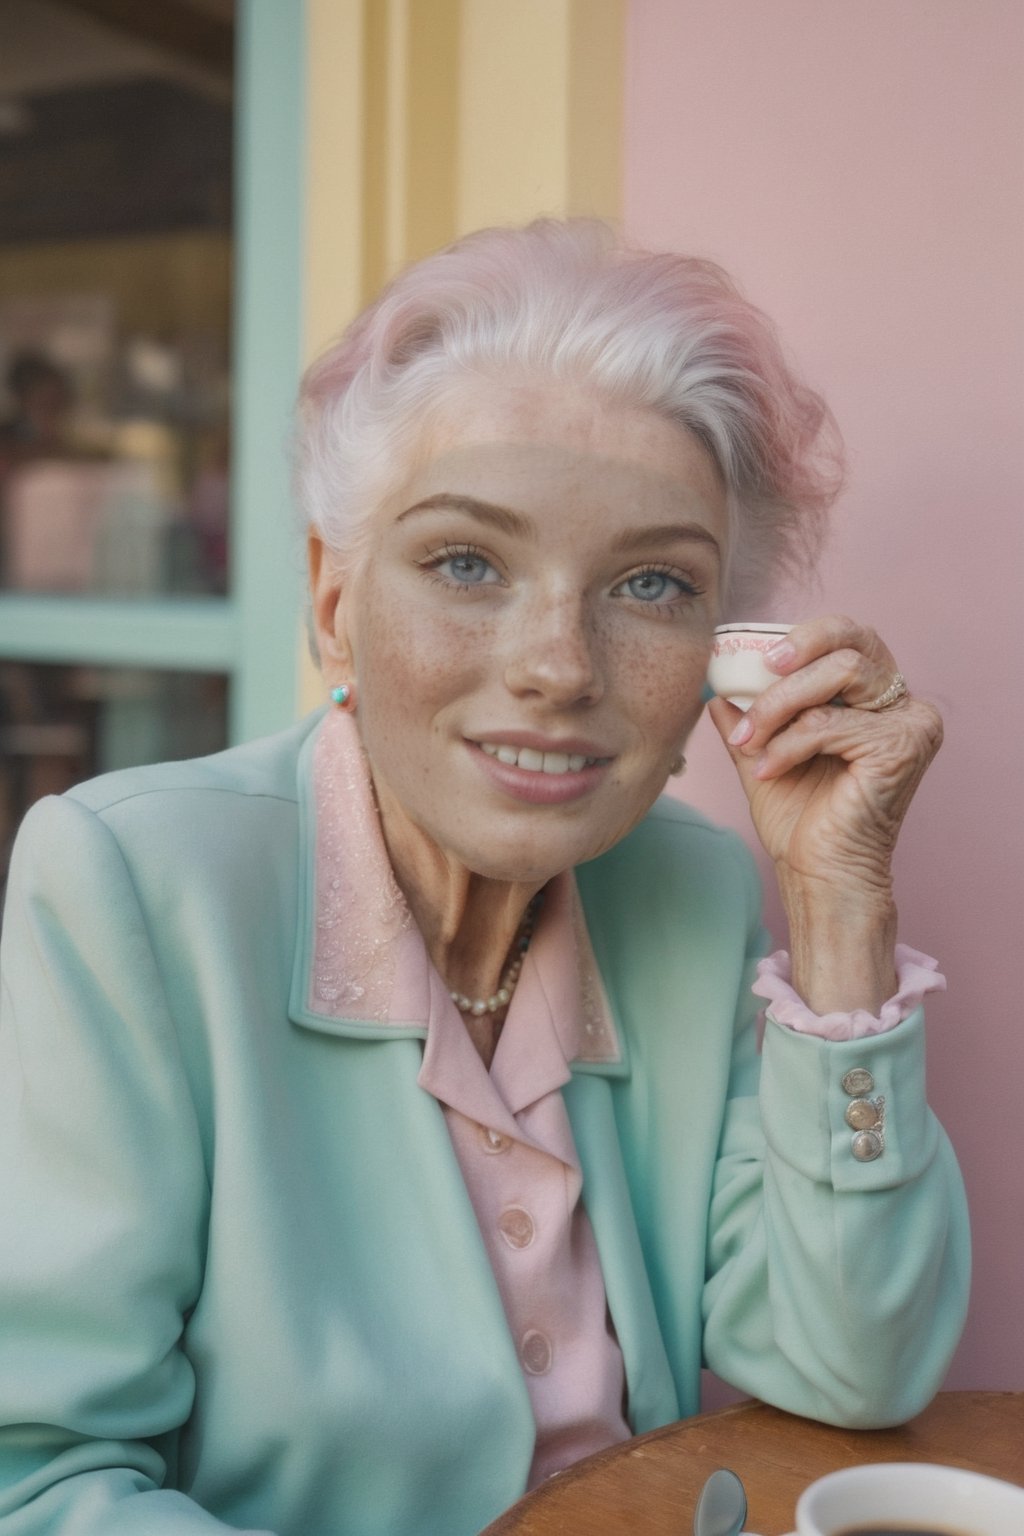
[62, 724]
[115, 276]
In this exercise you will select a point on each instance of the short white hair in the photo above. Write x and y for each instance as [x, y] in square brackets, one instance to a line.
[572, 303]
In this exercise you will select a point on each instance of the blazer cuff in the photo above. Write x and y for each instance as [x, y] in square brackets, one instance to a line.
[848, 1113]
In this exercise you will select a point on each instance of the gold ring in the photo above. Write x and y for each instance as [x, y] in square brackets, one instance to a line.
[896, 690]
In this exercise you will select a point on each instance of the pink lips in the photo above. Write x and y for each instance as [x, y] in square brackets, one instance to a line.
[533, 786]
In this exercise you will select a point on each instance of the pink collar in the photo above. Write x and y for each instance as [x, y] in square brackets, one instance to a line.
[367, 965]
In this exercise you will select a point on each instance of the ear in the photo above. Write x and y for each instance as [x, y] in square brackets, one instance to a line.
[327, 607]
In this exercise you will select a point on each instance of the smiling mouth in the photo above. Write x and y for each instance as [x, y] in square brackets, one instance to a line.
[534, 761]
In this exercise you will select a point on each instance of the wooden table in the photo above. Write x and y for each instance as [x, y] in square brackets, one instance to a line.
[649, 1486]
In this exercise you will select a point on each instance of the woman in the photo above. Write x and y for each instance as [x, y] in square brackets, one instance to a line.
[381, 1105]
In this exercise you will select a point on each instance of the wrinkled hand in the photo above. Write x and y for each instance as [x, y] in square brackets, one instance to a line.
[829, 786]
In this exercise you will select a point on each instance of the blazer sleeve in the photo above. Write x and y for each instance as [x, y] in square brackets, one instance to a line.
[103, 1200]
[835, 1288]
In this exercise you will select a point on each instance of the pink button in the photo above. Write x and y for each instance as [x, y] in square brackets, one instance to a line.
[494, 1141]
[535, 1353]
[516, 1227]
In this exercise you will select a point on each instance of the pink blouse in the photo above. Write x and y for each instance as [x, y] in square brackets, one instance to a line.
[509, 1127]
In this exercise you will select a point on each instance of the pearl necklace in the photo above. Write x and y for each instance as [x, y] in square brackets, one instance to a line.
[478, 1006]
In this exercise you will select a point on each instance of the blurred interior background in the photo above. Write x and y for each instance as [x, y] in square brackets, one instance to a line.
[116, 265]
[195, 195]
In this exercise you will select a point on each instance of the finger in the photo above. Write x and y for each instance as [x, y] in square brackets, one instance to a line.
[815, 638]
[845, 674]
[726, 717]
[900, 744]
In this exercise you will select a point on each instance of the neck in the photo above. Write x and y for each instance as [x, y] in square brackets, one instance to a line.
[468, 922]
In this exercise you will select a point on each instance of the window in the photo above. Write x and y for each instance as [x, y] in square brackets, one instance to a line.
[149, 348]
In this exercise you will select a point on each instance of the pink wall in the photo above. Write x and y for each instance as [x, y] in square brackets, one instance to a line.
[858, 167]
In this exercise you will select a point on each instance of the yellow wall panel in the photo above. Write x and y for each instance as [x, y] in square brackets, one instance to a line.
[595, 115]
[540, 109]
[513, 109]
[432, 125]
[335, 108]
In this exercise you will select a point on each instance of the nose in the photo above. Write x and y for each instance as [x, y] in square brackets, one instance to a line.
[554, 653]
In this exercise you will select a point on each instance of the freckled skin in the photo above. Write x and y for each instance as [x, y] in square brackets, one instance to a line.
[552, 640]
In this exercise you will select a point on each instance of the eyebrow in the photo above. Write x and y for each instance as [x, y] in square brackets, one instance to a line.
[518, 526]
[667, 533]
[502, 518]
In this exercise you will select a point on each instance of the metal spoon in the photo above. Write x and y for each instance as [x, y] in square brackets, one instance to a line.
[722, 1506]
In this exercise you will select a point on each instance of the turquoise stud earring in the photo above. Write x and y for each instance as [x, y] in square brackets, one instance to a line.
[341, 695]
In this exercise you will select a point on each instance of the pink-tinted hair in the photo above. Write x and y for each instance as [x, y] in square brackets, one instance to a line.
[572, 303]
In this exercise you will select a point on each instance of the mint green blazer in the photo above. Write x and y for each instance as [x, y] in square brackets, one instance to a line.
[241, 1282]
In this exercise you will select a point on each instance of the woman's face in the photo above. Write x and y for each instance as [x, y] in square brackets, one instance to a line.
[529, 630]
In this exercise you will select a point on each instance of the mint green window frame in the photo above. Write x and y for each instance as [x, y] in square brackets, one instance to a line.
[252, 634]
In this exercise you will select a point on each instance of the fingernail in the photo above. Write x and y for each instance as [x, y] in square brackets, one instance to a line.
[761, 769]
[780, 656]
[742, 732]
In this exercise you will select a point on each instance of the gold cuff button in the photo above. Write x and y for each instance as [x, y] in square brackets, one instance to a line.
[862, 1115]
[867, 1145]
[857, 1082]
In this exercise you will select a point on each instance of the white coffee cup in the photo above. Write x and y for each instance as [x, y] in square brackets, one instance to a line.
[737, 670]
[910, 1496]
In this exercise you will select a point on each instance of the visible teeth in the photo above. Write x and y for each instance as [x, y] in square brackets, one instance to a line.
[538, 762]
[556, 762]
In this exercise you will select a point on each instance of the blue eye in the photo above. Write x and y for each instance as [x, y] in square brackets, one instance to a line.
[655, 587]
[469, 569]
[460, 565]
[651, 586]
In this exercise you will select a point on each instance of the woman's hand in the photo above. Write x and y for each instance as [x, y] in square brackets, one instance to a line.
[829, 785]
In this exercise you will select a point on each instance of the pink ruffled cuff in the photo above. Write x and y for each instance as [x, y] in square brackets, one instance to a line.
[916, 975]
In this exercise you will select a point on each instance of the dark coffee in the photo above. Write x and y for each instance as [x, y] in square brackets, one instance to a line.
[888, 1529]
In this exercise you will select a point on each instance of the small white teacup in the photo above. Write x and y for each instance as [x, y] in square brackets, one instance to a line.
[737, 670]
[909, 1499]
